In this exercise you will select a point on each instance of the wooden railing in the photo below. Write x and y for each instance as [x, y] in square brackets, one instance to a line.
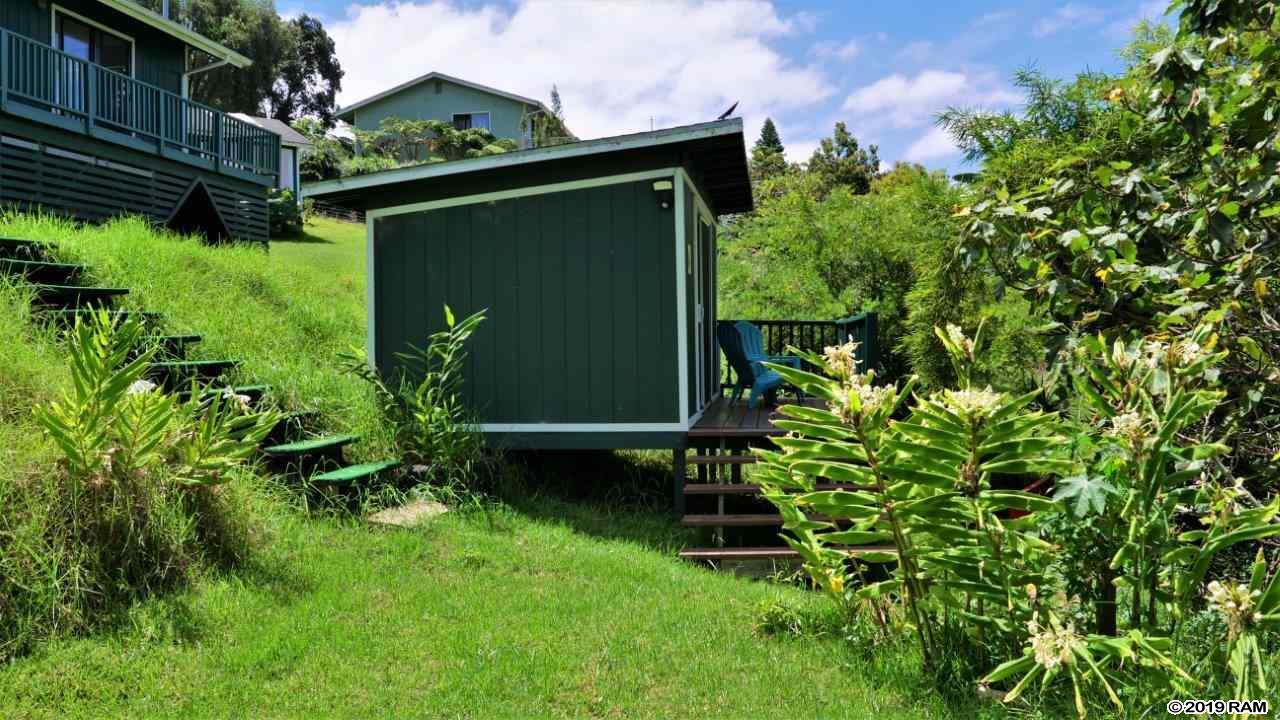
[815, 335]
[94, 98]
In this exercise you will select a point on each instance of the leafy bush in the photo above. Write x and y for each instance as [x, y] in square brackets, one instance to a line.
[139, 496]
[434, 428]
[284, 217]
[935, 494]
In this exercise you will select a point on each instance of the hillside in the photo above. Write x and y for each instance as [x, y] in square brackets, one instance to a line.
[526, 606]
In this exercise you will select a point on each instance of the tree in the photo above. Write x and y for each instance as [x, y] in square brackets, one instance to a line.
[548, 127]
[768, 159]
[840, 162]
[251, 28]
[769, 139]
[310, 75]
[295, 70]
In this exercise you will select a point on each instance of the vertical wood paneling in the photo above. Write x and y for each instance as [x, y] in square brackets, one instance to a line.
[554, 330]
[599, 211]
[580, 289]
[506, 315]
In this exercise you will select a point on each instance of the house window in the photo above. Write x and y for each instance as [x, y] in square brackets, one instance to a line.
[467, 121]
[81, 38]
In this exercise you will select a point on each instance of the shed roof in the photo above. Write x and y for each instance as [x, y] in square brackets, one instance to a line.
[179, 31]
[288, 136]
[344, 113]
[713, 152]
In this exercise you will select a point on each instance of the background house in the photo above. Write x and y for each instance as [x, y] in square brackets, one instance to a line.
[95, 121]
[436, 96]
[292, 143]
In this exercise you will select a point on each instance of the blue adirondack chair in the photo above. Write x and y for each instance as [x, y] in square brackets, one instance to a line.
[747, 373]
[753, 346]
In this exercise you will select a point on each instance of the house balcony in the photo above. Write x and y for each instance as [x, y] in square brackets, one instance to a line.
[45, 85]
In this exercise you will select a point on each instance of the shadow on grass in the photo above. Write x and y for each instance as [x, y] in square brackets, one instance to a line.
[622, 495]
[303, 238]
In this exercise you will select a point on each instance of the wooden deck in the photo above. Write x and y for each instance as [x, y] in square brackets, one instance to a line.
[739, 421]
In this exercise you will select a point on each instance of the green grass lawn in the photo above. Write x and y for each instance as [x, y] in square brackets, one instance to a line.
[530, 606]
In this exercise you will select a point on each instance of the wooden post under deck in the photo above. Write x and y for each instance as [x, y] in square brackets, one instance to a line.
[679, 467]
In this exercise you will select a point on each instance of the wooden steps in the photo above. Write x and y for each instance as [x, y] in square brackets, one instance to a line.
[722, 459]
[766, 553]
[15, 249]
[173, 373]
[751, 489]
[754, 520]
[37, 271]
[77, 296]
[353, 474]
[67, 316]
[328, 445]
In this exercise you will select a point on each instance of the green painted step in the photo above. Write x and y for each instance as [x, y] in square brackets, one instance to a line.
[41, 272]
[188, 369]
[77, 295]
[170, 342]
[24, 249]
[67, 316]
[253, 392]
[312, 446]
[354, 473]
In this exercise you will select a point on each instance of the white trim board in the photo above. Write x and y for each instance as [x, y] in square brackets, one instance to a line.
[522, 192]
[581, 427]
[369, 294]
[682, 304]
[522, 157]
[703, 208]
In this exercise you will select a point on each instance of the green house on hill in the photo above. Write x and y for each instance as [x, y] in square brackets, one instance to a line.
[95, 121]
[465, 104]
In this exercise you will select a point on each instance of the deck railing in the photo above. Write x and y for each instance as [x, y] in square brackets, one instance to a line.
[94, 98]
[814, 335]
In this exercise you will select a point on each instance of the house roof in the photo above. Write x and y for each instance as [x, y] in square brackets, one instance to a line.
[715, 152]
[288, 136]
[183, 33]
[345, 112]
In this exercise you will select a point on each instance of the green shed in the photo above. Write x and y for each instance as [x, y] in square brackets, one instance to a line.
[596, 264]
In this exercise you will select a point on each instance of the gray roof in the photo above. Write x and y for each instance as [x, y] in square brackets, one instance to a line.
[344, 111]
[288, 136]
[715, 150]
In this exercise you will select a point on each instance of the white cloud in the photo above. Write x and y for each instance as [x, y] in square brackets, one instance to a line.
[904, 102]
[920, 51]
[846, 51]
[932, 145]
[623, 64]
[1067, 17]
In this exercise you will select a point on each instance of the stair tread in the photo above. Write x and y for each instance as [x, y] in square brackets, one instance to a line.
[82, 288]
[30, 266]
[193, 363]
[352, 473]
[171, 338]
[310, 445]
[762, 520]
[744, 553]
[722, 459]
[753, 489]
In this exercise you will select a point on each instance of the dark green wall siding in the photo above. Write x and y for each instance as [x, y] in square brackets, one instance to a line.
[158, 56]
[73, 175]
[580, 291]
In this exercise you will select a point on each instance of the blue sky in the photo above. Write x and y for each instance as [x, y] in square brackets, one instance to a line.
[885, 67]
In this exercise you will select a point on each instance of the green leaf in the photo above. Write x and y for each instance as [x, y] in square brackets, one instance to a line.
[1084, 495]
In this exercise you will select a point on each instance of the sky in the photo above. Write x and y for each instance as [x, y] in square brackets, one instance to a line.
[884, 67]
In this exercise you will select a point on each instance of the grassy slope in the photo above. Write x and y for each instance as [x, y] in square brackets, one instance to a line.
[545, 610]
[287, 313]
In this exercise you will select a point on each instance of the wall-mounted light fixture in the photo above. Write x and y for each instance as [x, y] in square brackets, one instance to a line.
[665, 190]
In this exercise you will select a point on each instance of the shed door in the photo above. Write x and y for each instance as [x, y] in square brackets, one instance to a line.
[699, 319]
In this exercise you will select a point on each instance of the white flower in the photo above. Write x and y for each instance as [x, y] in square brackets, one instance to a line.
[1054, 645]
[842, 359]
[956, 335]
[972, 404]
[1130, 425]
[1189, 353]
[1234, 603]
[138, 387]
